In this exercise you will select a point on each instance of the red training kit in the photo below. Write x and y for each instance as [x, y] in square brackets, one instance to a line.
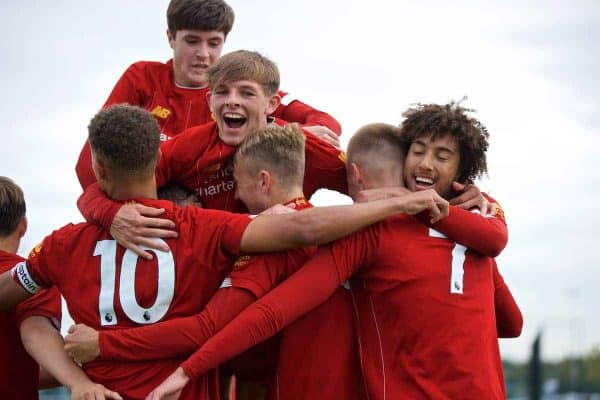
[108, 287]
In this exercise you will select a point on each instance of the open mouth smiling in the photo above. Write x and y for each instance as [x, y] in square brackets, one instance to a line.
[234, 120]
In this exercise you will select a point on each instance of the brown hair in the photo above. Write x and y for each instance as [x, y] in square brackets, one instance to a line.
[376, 147]
[204, 15]
[245, 65]
[279, 149]
[449, 119]
[125, 138]
[12, 206]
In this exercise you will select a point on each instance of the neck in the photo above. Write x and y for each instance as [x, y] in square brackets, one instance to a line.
[131, 189]
[284, 196]
[10, 243]
[385, 180]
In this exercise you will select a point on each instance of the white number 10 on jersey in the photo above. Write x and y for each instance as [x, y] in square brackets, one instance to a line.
[107, 250]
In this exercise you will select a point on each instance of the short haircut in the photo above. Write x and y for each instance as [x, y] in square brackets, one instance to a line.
[203, 15]
[449, 119]
[278, 149]
[245, 65]
[125, 138]
[377, 148]
[12, 206]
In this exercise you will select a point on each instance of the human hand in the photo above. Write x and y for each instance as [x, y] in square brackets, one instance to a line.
[88, 390]
[425, 200]
[471, 197]
[325, 134]
[364, 196]
[137, 225]
[81, 344]
[170, 388]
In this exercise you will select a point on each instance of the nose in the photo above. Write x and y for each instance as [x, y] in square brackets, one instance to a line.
[426, 162]
[202, 50]
[233, 100]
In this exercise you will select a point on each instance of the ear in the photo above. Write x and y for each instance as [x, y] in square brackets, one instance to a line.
[22, 227]
[171, 39]
[355, 176]
[208, 97]
[99, 168]
[274, 102]
[266, 181]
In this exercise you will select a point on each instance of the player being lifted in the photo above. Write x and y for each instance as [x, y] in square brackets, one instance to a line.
[108, 287]
[175, 92]
[424, 303]
[244, 92]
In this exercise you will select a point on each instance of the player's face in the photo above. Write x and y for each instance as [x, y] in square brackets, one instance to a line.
[193, 52]
[432, 164]
[240, 107]
[248, 188]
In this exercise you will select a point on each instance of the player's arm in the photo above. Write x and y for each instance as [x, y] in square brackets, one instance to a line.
[485, 235]
[175, 337]
[320, 225]
[325, 167]
[509, 320]
[297, 111]
[304, 290]
[11, 292]
[45, 345]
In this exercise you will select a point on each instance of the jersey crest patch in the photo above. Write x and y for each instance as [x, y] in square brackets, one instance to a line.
[35, 251]
[342, 157]
[241, 262]
[161, 112]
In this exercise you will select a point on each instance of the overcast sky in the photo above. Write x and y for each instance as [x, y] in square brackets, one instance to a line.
[531, 71]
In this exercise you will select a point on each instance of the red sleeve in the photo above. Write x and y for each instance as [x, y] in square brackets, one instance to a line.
[296, 111]
[45, 303]
[124, 92]
[96, 207]
[310, 286]
[176, 337]
[485, 235]
[325, 166]
[509, 320]
[260, 273]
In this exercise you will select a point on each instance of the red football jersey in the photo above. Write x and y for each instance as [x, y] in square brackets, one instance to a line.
[108, 287]
[199, 160]
[424, 309]
[150, 85]
[18, 370]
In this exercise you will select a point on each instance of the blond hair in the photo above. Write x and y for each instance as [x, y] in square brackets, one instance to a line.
[278, 149]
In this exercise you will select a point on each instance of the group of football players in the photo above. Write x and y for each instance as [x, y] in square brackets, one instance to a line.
[204, 272]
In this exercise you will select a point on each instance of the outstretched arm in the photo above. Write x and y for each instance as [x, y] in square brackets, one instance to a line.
[176, 337]
[321, 225]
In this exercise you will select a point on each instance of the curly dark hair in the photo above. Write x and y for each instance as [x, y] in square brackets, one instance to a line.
[204, 15]
[453, 119]
[125, 138]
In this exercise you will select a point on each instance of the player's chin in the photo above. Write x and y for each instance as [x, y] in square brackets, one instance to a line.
[232, 137]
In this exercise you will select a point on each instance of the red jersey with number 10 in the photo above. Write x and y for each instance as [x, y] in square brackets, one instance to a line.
[108, 287]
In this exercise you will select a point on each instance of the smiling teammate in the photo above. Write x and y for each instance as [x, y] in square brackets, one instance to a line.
[175, 92]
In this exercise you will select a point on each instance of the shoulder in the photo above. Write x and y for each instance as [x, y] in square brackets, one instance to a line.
[8, 260]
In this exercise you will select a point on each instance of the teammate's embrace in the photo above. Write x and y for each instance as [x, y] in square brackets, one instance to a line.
[424, 303]
[108, 287]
